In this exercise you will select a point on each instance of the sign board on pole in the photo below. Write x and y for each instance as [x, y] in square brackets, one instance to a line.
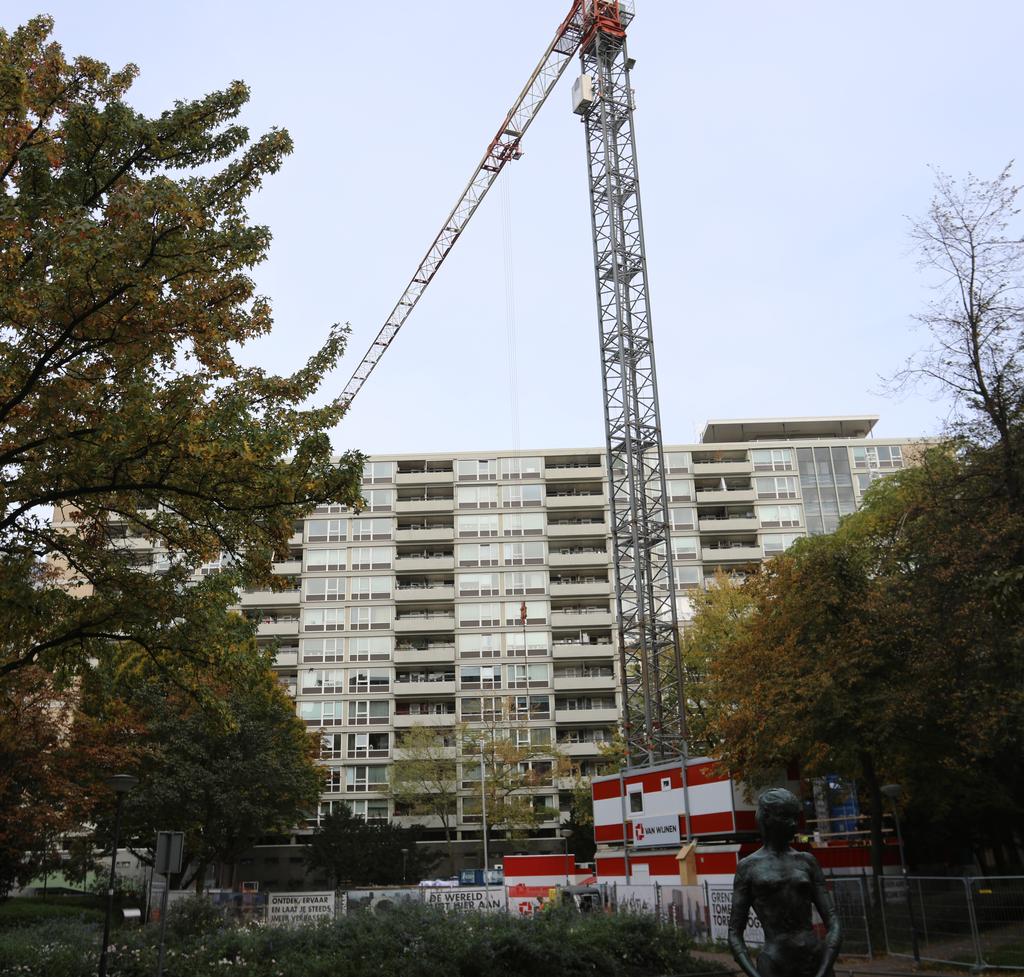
[649, 832]
[169, 848]
[291, 908]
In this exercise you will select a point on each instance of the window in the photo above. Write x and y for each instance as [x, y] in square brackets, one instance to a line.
[478, 645]
[777, 487]
[324, 588]
[369, 680]
[372, 588]
[523, 524]
[636, 800]
[677, 461]
[334, 780]
[477, 554]
[368, 712]
[367, 810]
[366, 778]
[323, 680]
[531, 736]
[369, 618]
[686, 576]
[526, 582]
[479, 615]
[368, 745]
[477, 584]
[779, 515]
[321, 713]
[527, 676]
[481, 525]
[322, 650]
[371, 558]
[525, 707]
[864, 479]
[331, 746]
[536, 612]
[685, 548]
[679, 489]
[518, 496]
[378, 471]
[774, 543]
[480, 709]
[331, 509]
[878, 456]
[682, 517]
[325, 530]
[366, 529]
[474, 470]
[476, 496]
[772, 459]
[480, 677]
[379, 500]
[325, 560]
[367, 649]
[521, 467]
[523, 554]
[537, 643]
[323, 619]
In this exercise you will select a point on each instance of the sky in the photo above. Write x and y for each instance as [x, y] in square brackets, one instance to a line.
[783, 149]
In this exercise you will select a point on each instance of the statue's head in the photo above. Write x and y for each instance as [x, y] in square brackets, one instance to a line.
[778, 813]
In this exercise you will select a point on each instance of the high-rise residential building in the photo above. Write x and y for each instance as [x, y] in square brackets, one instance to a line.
[479, 585]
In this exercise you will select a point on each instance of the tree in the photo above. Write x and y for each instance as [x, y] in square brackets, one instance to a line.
[125, 249]
[358, 852]
[52, 763]
[977, 320]
[224, 776]
[425, 778]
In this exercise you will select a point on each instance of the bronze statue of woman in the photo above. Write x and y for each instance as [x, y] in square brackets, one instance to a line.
[782, 884]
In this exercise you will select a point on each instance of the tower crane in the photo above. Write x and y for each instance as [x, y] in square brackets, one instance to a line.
[654, 713]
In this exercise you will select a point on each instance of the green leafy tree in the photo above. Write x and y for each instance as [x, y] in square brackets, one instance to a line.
[125, 252]
[356, 852]
[224, 776]
[424, 779]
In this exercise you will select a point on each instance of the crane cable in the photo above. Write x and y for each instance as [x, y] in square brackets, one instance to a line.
[511, 338]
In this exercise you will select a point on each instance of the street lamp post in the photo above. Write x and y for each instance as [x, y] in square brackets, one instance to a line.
[483, 805]
[405, 852]
[566, 834]
[893, 792]
[121, 784]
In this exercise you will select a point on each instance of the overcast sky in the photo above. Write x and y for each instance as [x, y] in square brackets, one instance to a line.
[781, 148]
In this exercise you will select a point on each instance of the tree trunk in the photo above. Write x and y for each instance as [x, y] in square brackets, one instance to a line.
[867, 764]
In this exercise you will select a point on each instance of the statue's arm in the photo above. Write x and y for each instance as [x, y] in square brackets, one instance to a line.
[741, 899]
[827, 910]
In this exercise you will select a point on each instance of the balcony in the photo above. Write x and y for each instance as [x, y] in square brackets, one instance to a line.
[574, 500]
[425, 534]
[424, 688]
[732, 553]
[438, 752]
[426, 621]
[421, 820]
[585, 683]
[286, 658]
[278, 629]
[580, 650]
[722, 468]
[270, 598]
[436, 654]
[578, 557]
[573, 470]
[592, 588]
[581, 618]
[424, 562]
[424, 505]
[727, 497]
[421, 592]
[577, 716]
[728, 524]
[425, 478]
[592, 749]
[287, 567]
[424, 719]
[561, 530]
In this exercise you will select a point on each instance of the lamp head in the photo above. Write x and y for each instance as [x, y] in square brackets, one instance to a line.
[122, 782]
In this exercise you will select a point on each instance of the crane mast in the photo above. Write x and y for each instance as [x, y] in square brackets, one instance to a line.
[651, 667]
[654, 714]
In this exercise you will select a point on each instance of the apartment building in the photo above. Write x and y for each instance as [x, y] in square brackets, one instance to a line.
[479, 585]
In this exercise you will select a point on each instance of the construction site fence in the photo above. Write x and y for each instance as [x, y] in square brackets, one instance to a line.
[975, 921]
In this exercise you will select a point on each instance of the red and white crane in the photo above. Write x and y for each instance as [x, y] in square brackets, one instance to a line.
[654, 714]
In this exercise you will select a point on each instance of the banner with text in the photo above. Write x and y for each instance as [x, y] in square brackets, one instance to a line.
[291, 908]
[483, 899]
[720, 899]
[649, 832]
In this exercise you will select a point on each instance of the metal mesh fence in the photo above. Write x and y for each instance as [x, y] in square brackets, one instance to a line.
[850, 897]
[998, 904]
